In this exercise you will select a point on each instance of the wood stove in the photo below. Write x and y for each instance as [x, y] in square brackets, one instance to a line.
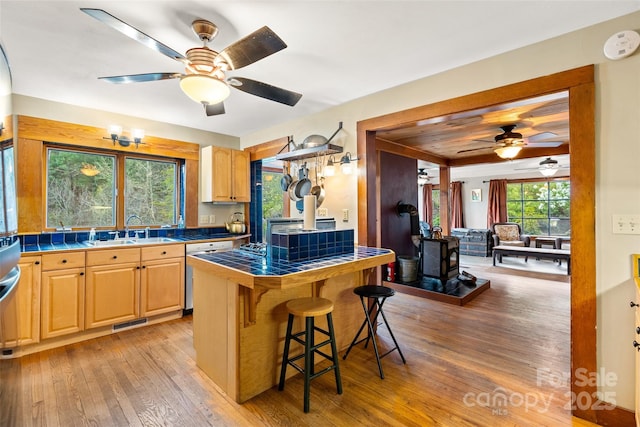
[440, 258]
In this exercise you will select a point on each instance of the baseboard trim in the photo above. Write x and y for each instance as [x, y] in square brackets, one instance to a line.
[618, 417]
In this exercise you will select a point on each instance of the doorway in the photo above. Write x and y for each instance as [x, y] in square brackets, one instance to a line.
[580, 85]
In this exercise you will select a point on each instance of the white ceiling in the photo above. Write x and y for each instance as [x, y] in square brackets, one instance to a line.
[337, 50]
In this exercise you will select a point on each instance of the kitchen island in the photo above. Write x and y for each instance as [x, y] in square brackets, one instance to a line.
[239, 313]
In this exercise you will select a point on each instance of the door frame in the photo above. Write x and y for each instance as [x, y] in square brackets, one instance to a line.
[580, 85]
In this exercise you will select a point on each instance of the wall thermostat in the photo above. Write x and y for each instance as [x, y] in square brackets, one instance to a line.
[621, 44]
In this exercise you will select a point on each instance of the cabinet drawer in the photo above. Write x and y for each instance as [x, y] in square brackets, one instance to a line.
[164, 251]
[113, 256]
[62, 260]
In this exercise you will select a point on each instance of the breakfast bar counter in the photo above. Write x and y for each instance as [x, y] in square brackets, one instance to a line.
[239, 313]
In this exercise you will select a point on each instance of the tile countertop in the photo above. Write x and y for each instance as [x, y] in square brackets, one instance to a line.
[39, 247]
[249, 269]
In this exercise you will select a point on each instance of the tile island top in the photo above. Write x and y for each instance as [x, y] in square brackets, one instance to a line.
[250, 269]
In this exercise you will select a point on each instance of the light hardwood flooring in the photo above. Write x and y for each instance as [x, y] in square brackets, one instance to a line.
[509, 343]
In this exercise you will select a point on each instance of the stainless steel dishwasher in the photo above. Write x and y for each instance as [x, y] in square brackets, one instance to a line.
[199, 248]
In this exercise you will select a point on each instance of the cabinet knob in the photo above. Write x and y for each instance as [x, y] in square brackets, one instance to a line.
[164, 252]
[633, 304]
[82, 273]
[636, 344]
[638, 330]
[144, 266]
[64, 261]
[37, 263]
[115, 257]
[138, 268]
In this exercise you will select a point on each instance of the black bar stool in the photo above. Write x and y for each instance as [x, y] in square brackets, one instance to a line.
[379, 295]
[309, 308]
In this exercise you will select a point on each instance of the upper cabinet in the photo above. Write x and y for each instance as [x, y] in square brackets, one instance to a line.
[225, 175]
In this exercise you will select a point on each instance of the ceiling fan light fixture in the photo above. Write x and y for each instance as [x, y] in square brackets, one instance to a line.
[548, 167]
[204, 89]
[508, 152]
[423, 177]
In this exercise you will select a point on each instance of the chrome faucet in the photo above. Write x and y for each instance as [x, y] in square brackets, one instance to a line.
[126, 224]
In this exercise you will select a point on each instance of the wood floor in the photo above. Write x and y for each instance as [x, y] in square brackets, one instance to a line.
[493, 362]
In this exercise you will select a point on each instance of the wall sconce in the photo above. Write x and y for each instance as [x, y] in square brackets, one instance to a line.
[116, 136]
[345, 163]
[330, 169]
[548, 167]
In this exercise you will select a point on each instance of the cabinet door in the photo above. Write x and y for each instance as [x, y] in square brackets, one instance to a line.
[21, 318]
[112, 294]
[241, 177]
[162, 286]
[221, 174]
[62, 302]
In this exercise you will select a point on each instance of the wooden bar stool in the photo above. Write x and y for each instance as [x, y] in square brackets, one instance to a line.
[309, 308]
[379, 295]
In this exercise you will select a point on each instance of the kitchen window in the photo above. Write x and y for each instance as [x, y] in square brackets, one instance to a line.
[82, 189]
[540, 207]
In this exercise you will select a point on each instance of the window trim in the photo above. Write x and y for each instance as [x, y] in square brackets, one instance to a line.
[120, 157]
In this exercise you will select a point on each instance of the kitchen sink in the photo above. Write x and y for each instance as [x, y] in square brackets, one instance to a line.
[121, 242]
[118, 242]
[154, 240]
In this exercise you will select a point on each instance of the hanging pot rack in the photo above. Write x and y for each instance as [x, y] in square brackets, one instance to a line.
[312, 152]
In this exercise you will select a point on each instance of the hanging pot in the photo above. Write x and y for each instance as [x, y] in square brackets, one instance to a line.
[318, 190]
[286, 179]
[303, 185]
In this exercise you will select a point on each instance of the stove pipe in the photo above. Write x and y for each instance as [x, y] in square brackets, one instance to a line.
[402, 208]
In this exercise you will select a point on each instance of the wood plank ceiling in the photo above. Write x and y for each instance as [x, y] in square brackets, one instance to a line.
[468, 138]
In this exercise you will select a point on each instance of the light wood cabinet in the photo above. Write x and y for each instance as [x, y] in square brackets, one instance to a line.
[112, 287]
[21, 318]
[225, 175]
[162, 279]
[62, 296]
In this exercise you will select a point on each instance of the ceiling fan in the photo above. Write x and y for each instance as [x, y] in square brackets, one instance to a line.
[423, 176]
[547, 167]
[510, 143]
[204, 78]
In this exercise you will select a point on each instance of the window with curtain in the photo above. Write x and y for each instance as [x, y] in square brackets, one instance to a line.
[540, 207]
[435, 205]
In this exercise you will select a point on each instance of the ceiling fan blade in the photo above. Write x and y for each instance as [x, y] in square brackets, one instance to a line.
[542, 135]
[257, 45]
[214, 109]
[137, 78]
[133, 33]
[474, 149]
[544, 144]
[266, 91]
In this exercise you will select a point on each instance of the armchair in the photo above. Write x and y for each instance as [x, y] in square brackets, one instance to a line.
[509, 234]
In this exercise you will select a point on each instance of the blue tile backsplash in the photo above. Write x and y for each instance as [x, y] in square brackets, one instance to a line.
[300, 245]
[74, 239]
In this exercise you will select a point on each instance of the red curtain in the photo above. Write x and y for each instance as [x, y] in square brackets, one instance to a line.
[457, 218]
[497, 202]
[427, 204]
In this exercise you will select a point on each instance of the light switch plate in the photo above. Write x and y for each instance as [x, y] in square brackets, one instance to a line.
[323, 212]
[204, 219]
[212, 219]
[626, 224]
[345, 215]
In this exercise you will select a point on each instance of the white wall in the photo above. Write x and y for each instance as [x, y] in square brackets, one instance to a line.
[36, 107]
[617, 154]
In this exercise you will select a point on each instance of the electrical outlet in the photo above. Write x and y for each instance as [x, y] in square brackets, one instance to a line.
[626, 224]
[345, 215]
[212, 219]
[323, 212]
[204, 219]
